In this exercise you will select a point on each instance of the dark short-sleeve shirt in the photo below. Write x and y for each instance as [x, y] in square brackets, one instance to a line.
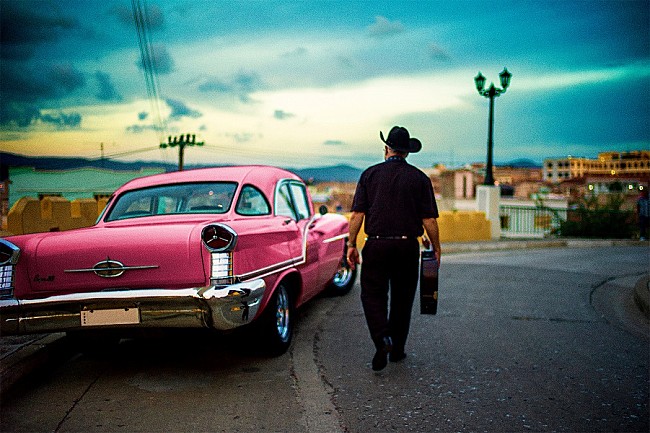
[394, 196]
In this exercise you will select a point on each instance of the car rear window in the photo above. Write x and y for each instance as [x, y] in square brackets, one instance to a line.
[187, 198]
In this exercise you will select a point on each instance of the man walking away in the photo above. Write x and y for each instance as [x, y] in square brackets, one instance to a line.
[395, 199]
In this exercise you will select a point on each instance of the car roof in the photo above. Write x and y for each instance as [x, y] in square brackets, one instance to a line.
[263, 176]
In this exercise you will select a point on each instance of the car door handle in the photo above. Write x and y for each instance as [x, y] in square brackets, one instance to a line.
[285, 222]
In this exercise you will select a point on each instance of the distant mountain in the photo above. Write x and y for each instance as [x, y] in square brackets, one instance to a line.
[338, 173]
[520, 163]
[56, 163]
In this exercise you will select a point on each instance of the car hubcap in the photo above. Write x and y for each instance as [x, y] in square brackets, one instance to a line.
[343, 275]
[282, 314]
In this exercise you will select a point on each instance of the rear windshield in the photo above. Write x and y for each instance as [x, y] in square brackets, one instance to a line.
[187, 198]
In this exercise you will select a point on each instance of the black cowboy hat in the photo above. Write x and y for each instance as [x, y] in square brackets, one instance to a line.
[400, 140]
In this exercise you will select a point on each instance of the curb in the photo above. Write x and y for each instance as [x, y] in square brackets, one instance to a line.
[30, 357]
[516, 244]
[642, 295]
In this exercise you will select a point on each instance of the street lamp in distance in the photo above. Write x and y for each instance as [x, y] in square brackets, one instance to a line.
[491, 93]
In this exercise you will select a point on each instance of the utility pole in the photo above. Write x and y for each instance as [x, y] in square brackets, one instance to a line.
[181, 141]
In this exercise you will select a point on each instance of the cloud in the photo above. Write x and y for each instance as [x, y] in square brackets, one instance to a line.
[282, 115]
[179, 110]
[62, 120]
[334, 143]
[22, 116]
[437, 53]
[214, 85]
[23, 88]
[107, 91]
[241, 137]
[382, 27]
[67, 77]
[241, 85]
[161, 61]
[19, 115]
[24, 27]
[153, 16]
[138, 129]
[247, 81]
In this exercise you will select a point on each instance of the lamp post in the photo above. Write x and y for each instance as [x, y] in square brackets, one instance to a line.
[491, 93]
[181, 141]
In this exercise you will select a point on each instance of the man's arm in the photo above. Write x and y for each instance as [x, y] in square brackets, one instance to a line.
[356, 219]
[431, 227]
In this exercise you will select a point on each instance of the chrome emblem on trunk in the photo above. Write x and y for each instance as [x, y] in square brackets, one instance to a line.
[110, 268]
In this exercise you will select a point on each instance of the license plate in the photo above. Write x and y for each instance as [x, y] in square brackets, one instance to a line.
[118, 316]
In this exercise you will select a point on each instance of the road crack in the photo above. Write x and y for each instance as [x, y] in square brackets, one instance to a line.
[76, 402]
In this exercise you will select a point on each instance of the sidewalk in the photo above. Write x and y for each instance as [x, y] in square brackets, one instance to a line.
[21, 355]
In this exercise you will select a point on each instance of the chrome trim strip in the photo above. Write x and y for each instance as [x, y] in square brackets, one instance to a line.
[277, 267]
[335, 238]
[121, 268]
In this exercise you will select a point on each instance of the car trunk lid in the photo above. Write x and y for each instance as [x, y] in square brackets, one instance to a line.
[122, 256]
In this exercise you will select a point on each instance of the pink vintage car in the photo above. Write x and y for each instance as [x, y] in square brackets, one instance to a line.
[210, 248]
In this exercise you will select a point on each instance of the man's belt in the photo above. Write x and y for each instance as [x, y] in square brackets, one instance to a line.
[389, 237]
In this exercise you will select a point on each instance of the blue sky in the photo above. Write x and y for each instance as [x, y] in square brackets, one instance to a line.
[308, 83]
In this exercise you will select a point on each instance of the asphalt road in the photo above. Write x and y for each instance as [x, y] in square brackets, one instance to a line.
[530, 340]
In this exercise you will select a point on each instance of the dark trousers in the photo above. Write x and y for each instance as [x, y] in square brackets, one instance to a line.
[389, 266]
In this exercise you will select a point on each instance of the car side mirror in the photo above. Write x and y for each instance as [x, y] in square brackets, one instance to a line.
[322, 209]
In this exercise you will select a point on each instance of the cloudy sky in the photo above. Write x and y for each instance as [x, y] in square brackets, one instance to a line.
[306, 83]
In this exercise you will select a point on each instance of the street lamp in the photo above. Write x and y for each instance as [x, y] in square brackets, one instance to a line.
[491, 93]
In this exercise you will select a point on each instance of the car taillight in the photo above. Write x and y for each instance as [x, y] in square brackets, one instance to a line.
[221, 241]
[219, 237]
[9, 254]
[221, 273]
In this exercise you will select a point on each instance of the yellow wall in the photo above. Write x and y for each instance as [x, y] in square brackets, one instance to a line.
[455, 226]
[29, 215]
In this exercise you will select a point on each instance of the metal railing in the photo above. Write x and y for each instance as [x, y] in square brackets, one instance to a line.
[530, 221]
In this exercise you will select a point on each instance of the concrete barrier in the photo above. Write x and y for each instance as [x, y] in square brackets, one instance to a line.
[30, 215]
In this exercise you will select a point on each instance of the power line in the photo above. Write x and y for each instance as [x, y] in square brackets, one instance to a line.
[130, 152]
[149, 66]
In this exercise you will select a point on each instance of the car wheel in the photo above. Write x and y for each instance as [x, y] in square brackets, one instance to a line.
[277, 323]
[343, 280]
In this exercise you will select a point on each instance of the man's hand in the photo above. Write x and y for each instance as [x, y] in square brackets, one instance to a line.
[353, 257]
[431, 227]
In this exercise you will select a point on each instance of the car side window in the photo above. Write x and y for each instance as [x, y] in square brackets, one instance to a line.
[299, 195]
[252, 202]
[283, 203]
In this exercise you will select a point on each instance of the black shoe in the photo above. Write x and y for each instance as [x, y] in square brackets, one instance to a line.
[397, 356]
[380, 360]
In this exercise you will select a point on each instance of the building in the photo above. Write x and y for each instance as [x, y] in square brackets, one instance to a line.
[610, 166]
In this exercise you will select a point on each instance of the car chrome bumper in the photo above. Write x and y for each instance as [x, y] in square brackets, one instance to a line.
[217, 307]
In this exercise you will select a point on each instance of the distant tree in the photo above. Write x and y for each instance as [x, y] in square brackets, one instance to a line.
[591, 219]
